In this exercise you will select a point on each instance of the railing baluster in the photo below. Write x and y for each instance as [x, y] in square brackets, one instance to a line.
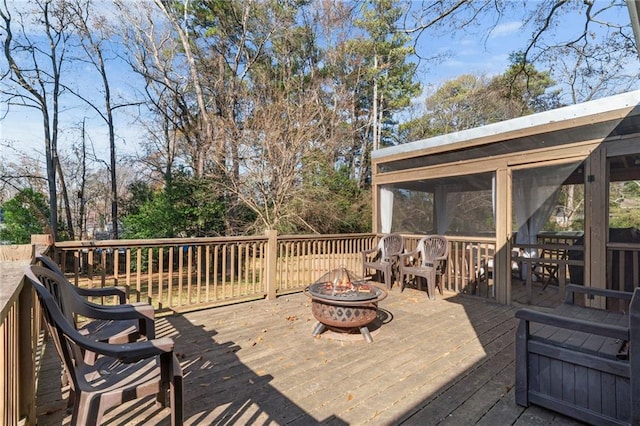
[207, 271]
[216, 268]
[232, 274]
[139, 274]
[76, 265]
[90, 267]
[116, 266]
[199, 273]
[170, 300]
[103, 269]
[189, 277]
[225, 249]
[180, 274]
[150, 275]
[161, 278]
[128, 272]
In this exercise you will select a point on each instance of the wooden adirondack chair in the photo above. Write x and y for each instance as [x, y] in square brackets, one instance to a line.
[120, 373]
[426, 261]
[384, 257]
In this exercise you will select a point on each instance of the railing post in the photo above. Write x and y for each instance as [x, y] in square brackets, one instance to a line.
[42, 239]
[272, 263]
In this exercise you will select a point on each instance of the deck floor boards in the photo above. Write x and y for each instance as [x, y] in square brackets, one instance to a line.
[448, 361]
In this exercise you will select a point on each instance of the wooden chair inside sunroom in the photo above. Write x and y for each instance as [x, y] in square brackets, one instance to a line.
[384, 257]
[427, 261]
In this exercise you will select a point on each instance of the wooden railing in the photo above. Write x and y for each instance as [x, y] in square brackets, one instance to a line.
[470, 264]
[303, 259]
[19, 334]
[623, 266]
[193, 273]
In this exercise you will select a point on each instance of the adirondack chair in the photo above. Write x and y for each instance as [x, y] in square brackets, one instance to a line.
[383, 257]
[109, 323]
[121, 372]
[426, 261]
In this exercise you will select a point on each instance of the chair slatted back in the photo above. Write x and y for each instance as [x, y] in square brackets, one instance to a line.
[43, 281]
[391, 245]
[66, 297]
[60, 290]
[432, 249]
[49, 263]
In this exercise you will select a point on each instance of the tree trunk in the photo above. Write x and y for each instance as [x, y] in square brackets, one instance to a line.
[65, 199]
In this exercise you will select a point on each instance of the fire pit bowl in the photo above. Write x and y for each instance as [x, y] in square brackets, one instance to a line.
[341, 300]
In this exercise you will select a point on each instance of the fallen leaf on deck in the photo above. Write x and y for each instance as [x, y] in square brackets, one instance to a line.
[349, 397]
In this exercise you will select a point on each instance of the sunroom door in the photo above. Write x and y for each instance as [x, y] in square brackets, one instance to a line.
[547, 220]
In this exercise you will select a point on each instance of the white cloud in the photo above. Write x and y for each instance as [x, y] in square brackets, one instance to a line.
[506, 29]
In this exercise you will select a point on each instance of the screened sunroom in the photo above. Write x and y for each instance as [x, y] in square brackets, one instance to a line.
[530, 203]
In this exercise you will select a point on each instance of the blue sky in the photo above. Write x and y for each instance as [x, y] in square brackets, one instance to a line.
[469, 53]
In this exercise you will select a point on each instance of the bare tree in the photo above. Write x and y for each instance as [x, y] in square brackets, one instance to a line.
[33, 79]
[276, 149]
[202, 114]
[153, 52]
[95, 35]
[597, 58]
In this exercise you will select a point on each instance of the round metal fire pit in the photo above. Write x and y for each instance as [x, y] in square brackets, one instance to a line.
[341, 300]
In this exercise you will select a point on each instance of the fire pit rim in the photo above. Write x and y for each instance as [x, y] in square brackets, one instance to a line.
[332, 300]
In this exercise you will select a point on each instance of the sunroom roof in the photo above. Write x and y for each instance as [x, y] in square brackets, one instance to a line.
[610, 110]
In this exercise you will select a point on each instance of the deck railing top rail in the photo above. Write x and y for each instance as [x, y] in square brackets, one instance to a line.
[156, 242]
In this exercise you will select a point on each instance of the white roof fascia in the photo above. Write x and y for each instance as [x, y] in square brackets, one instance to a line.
[571, 112]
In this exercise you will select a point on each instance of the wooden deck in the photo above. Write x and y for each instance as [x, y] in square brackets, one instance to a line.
[449, 361]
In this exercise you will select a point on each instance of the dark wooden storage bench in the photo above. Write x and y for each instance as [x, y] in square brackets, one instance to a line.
[580, 361]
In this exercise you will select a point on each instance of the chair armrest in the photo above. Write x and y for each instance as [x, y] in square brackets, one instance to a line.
[119, 291]
[571, 289]
[367, 255]
[606, 330]
[404, 256]
[129, 311]
[127, 352]
[132, 352]
[140, 311]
